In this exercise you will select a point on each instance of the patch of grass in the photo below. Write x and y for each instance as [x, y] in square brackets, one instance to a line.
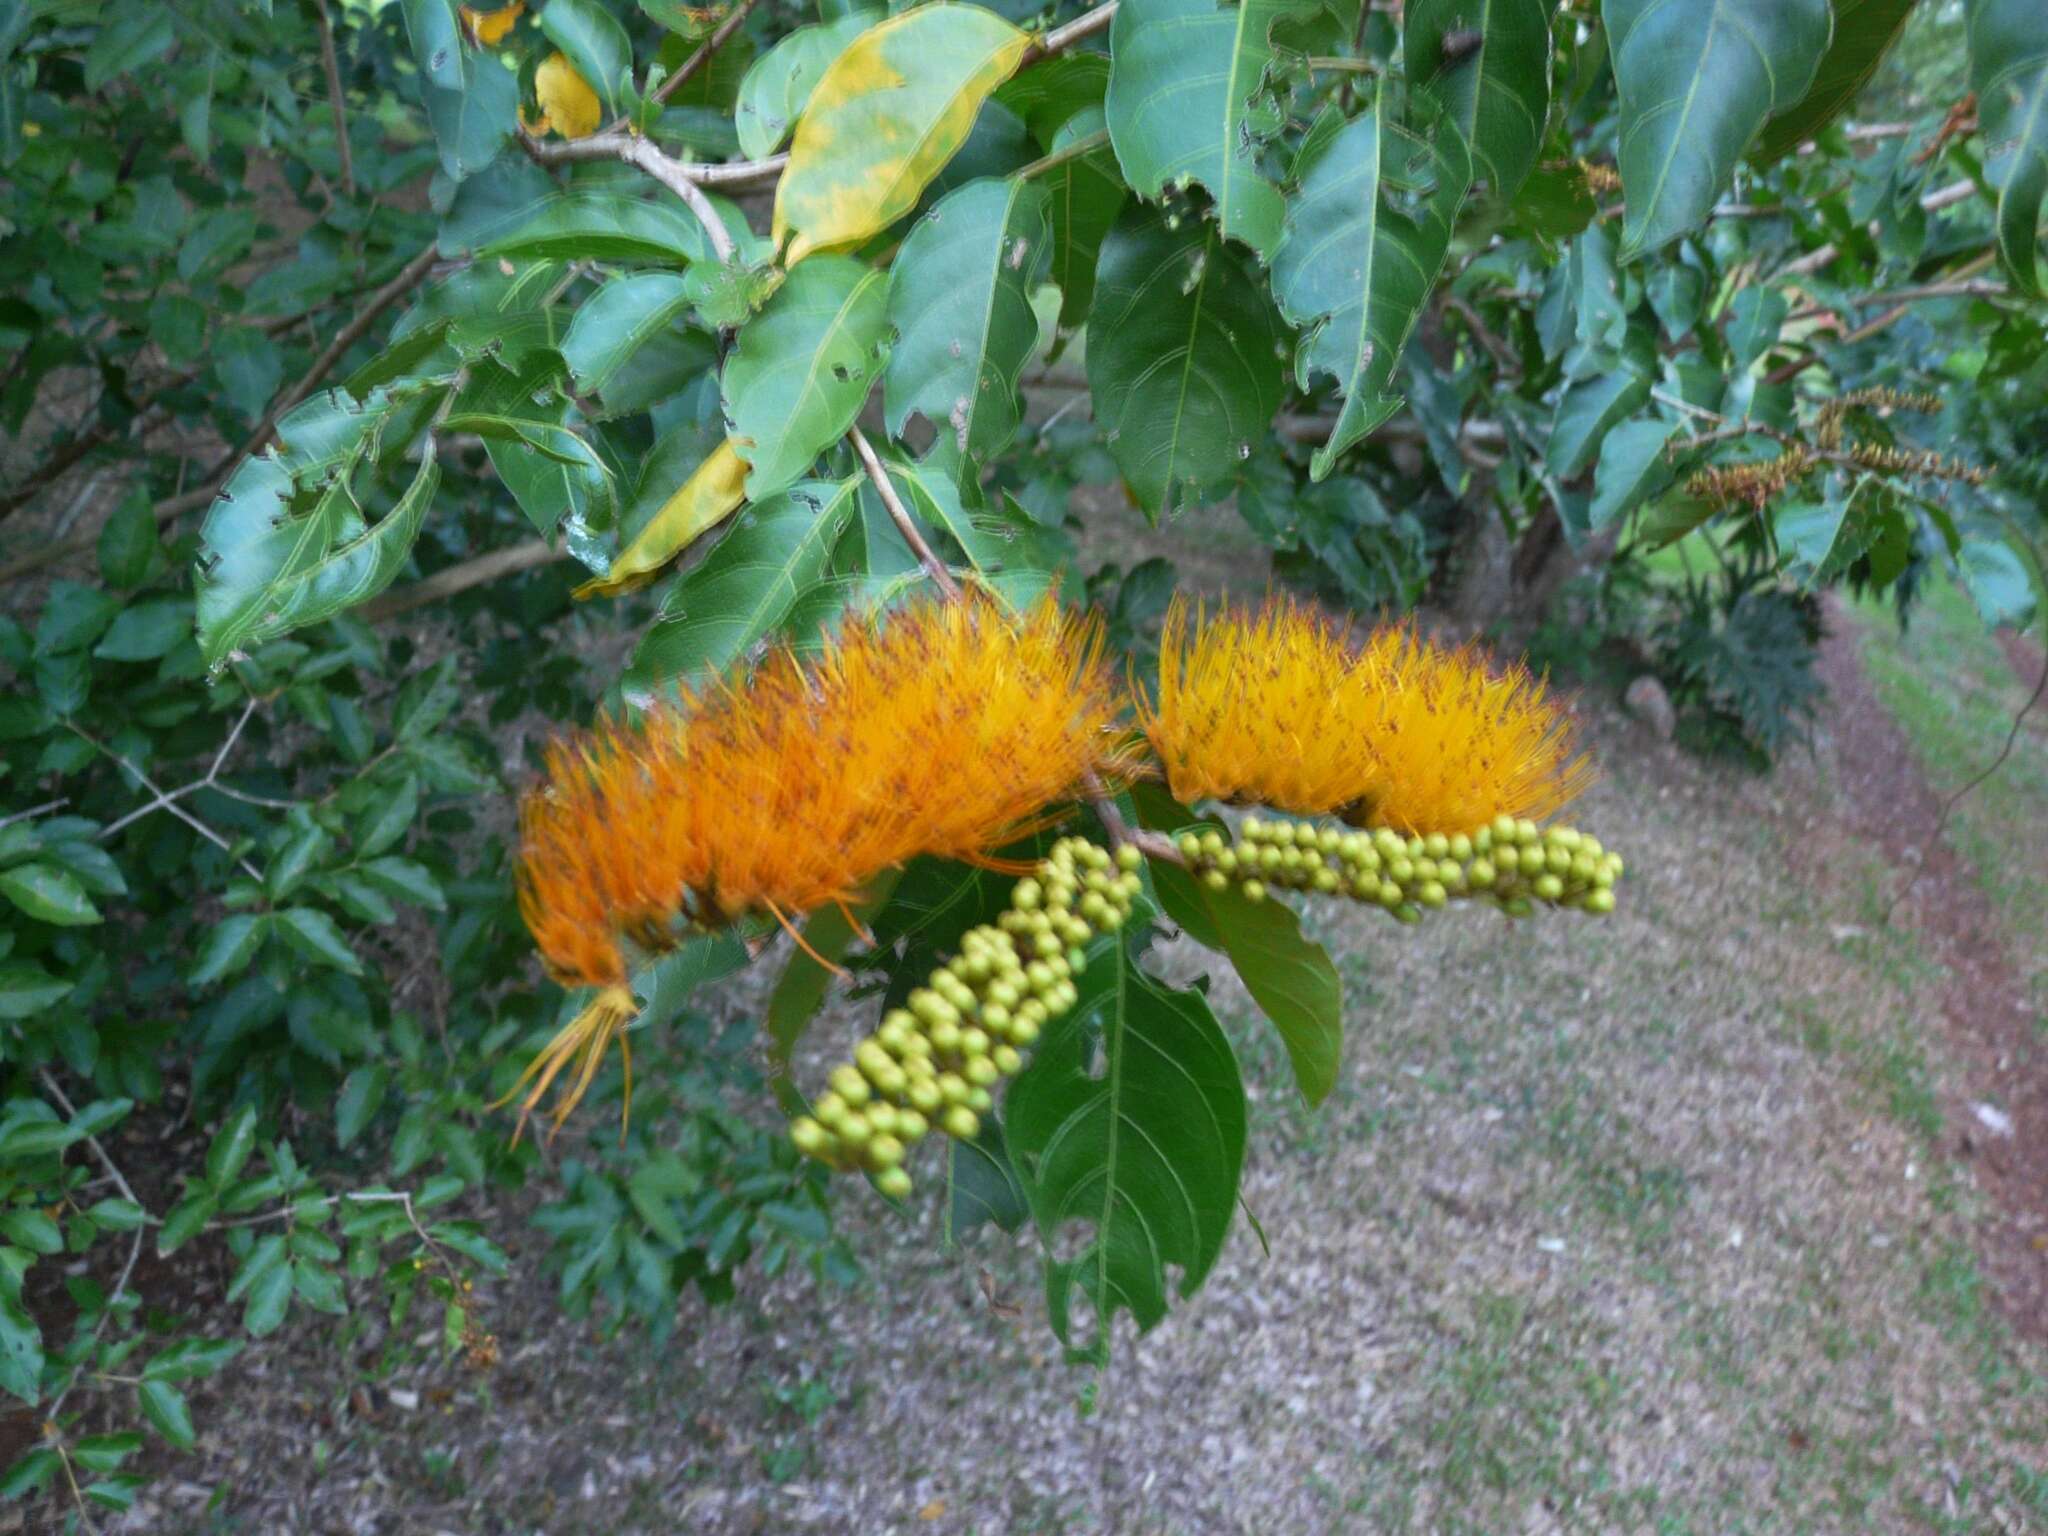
[1953, 693]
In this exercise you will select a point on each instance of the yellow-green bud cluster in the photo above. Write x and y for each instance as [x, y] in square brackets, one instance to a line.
[1513, 864]
[933, 1063]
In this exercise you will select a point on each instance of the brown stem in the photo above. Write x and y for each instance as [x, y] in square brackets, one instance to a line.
[1060, 39]
[648, 156]
[933, 566]
[695, 63]
[524, 556]
[332, 66]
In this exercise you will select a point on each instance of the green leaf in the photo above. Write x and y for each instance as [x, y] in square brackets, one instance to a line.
[774, 552]
[436, 41]
[189, 1359]
[982, 1185]
[26, 989]
[616, 321]
[229, 947]
[1290, 977]
[599, 226]
[884, 118]
[133, 35]
[960, 304]
[1497, 91]
[1183, 357]
[1997, 581]
[362, 1093]
[272, 573]
[165, 1408]
[128, 543]
[49, 894]
[73, 617]
[1632, 469]
[147, 631]
[1193, 97]
[1586, 412]
[595, 43]
[1366, 237]
[1696, 79]
[232, 1143]
[471, 125]
[1130, 1119]
[269, 1298]
[2009, 73]
[404, 880]
[185, 1220]
[1084, 196]
[21, 1352]
[316, 936]
[774, 89]
[1755, 317]
[801, 368]
[1864, 32]
[30, 1228]
[1806, 532]
[249, 367]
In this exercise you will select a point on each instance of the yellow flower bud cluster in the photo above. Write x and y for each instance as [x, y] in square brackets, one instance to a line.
[1511, 863]
[933, 1063]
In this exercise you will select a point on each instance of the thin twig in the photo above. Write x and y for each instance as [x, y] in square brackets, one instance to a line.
[933, 566]
[1087, 144]
[34, 811]
[524, 556]
[160, 801]
[649, 157]
[1948, 805]
[1060, 39]
[703, 56]
[128, 1193]
[1154, 845]
[332, 66]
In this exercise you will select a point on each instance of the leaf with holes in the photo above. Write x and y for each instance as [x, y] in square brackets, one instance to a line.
[1497, 91]
[1696, 79]
[1184, 352]
[883, 120]
[1366, 237]
[960, 304]
[2009, 73]
[1130, 1120]
[802, 367]
[1195, 94]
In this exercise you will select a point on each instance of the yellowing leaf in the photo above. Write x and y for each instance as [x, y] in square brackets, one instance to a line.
[885, 118]
[702, 501]
[489, 27]
[567, 103]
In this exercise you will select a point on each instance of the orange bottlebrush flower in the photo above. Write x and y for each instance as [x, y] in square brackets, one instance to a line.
[1456, 741]
[1246, 705]
[1277, 707]
[945, 728]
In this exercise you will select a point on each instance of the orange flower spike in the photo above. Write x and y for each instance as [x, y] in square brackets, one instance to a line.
[1456, 742]
[1274, 707]
[942, 729]
[1246, 707]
